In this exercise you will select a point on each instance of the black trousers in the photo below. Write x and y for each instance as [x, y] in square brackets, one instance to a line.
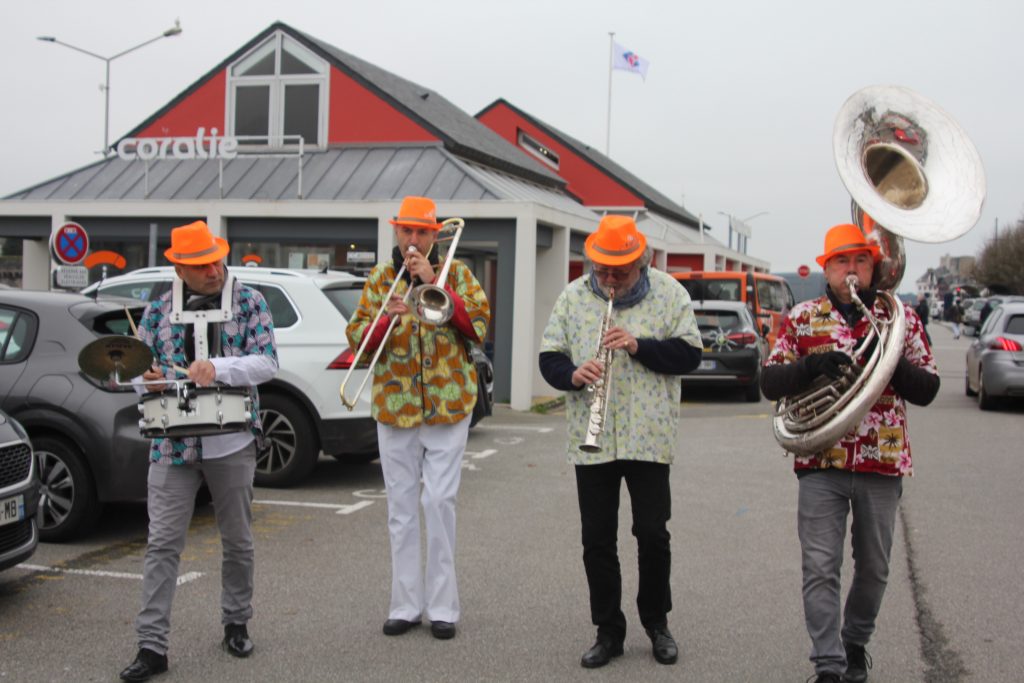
[597, 487]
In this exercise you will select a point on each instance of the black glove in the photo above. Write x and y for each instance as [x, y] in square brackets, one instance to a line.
[829, 364]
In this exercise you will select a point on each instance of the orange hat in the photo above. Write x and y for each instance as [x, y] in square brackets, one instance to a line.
[195, 245]
[844, 238]
[616, 242]
[417, 212]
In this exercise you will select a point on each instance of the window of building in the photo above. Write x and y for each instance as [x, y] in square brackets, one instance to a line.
[536, 149]
[278, 91]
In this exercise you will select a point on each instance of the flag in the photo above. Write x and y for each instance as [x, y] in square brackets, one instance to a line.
[629, 60]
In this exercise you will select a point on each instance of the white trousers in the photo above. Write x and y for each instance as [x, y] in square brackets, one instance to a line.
[432, 453]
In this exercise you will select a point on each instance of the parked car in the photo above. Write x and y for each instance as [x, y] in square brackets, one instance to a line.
[734, 348]
[768, 297]
[995, 360]
[301, 408]
[972, 315]
[19, 494]
[85, 432]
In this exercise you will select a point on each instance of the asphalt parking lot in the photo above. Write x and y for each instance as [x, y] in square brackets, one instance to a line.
[323, 569]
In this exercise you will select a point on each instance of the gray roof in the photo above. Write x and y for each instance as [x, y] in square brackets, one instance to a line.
[458, 131]
[655, 200]
[350, 173]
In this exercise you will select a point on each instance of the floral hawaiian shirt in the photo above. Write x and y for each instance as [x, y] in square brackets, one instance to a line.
[426, 375]
[880, 443]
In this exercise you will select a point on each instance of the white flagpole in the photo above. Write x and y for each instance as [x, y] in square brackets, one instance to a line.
[608, 128]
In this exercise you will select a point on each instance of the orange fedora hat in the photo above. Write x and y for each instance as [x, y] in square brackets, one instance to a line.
[844, 238]
[195, 245]
[616, 242]
[417, 212]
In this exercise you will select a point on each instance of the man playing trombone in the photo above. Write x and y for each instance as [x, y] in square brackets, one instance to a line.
[424, 390]
[626, 331]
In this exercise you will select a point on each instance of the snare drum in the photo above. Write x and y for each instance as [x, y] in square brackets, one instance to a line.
[188, 410]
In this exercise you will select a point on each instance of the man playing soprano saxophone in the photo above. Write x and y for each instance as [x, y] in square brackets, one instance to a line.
[653, 338]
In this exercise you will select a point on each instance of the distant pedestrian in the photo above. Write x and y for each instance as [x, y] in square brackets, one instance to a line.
[922, 312]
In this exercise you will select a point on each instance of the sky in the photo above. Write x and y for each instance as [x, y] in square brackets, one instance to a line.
[735, 116]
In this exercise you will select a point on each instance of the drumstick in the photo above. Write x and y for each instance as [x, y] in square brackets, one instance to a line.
[131, 321]
[135, 331]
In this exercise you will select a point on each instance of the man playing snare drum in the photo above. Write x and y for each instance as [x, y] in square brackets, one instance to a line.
[219, 331]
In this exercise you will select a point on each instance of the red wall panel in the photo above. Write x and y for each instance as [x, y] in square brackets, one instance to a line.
[593, 187]
[679, 261]
[202, 108]
[358, 115]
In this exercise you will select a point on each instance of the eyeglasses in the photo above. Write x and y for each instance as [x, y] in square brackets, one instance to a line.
[614, 273]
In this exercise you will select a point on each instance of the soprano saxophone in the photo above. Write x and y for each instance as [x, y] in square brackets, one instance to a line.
[599, 389]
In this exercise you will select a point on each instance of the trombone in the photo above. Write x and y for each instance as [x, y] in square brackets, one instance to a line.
[432, 305]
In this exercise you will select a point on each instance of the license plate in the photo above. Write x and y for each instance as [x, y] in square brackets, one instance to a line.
[707, 365]
[12, 510]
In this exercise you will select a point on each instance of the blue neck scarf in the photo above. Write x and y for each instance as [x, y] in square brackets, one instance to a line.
[627, 299]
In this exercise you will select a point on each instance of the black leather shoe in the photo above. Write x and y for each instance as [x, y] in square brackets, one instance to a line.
[858, 661]
[396, 627]
[600, 654]
[663, 645]
[442, 630]
[146, 665]
[236, 640]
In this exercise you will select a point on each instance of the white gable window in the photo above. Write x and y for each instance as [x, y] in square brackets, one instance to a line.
[535, 148]
[277, 91]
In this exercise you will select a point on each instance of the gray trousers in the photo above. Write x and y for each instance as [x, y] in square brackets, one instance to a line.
[172, 494]
[826, 498]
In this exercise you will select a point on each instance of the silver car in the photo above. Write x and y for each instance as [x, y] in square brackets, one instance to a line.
[19, 493]
[995, 361]
[85, 433]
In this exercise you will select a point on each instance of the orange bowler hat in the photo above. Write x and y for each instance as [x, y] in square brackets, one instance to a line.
[844, 238]
[195, 245]
[417, 212]
[616, 242]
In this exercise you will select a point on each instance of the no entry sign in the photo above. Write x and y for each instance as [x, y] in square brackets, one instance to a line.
[70, 243]
[803, 271]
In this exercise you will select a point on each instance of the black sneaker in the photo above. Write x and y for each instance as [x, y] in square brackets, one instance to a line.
[858, 661]
[826, 677]
[146, 665]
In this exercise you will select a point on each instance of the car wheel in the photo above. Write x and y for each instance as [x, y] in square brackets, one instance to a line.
[68, 505]
[985, 400]
[291, 448]
[752, 393]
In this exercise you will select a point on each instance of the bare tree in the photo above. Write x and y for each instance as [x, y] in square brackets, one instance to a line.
[1000, 264]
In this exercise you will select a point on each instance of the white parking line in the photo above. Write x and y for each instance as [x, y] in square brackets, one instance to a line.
[512, 428]
[341, 508]
[183, 579]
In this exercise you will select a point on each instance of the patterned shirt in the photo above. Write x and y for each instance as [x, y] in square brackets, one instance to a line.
[880, 443]
[426, 375]
[643, 405]
[250, 331]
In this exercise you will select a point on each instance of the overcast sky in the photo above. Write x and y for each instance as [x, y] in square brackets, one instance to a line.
[735, 115]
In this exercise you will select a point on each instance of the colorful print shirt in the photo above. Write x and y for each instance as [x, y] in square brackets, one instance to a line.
[425, 376]
[880, 443]
[643, 405]
[251, 331]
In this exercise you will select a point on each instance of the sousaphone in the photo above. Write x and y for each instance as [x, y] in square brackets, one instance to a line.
[912, 173]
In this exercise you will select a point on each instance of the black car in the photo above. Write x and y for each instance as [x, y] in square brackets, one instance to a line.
[85, 432]
[734, 348]
[19, 494]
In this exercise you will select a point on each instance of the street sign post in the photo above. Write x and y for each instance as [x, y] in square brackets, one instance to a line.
[70, 244]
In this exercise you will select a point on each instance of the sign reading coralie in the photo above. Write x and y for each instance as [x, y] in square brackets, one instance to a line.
[201, 146]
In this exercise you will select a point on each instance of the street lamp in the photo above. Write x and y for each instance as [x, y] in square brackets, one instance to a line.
[173, 31]
[741, 222]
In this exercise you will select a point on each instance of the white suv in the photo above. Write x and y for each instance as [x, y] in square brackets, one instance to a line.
[301, 408]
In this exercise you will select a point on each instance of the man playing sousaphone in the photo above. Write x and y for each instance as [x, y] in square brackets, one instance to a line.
[863, 471]
[424, 390]
[236, 348]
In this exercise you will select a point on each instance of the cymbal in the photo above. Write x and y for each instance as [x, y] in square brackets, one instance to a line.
[128, 355]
